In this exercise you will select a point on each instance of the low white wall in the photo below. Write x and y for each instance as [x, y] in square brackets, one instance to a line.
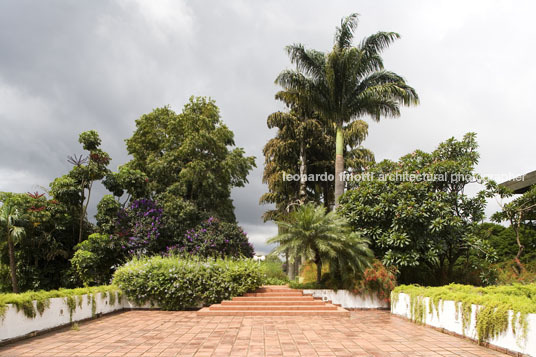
[450, 320]
[16, 324]
[348, 299]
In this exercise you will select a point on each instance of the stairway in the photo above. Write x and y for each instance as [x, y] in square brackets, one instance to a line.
[274, 300]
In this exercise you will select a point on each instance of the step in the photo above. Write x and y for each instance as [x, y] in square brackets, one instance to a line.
[283, 293]
[219, 307]
[272, 302]
[274, 298]
[267, 289]
[324, 313]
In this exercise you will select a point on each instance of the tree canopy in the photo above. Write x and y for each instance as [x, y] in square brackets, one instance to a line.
[426, 223]
[190, 155]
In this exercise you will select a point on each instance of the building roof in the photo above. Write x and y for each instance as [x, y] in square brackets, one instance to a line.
[521, 184]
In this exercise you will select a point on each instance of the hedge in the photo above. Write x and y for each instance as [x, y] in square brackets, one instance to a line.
[179, 282]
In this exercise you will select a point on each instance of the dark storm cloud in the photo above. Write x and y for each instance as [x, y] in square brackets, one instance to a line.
[68, 66]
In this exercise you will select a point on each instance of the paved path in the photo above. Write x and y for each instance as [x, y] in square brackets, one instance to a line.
[166, 333]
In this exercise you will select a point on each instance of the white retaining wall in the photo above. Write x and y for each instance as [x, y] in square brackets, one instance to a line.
[16, 324]
[348, 299]
[449, 320]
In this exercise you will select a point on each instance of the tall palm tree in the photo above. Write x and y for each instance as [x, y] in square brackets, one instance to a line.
[321, 237]
[10, 221]
[347, 83]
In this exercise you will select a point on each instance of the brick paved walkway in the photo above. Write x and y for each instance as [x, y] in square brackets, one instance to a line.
[164, 333]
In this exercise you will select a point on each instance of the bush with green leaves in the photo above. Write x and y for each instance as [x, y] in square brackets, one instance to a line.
[179, 282]
[94, 260]
[215, 238]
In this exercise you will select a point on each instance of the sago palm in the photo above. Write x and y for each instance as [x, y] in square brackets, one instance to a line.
[321, 237]
[10, 221]
[347, 83]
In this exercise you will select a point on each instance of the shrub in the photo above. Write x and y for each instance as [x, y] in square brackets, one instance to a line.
[94, 259]
[377, 280]
[139, 226]
[176, 283]
[215, 238]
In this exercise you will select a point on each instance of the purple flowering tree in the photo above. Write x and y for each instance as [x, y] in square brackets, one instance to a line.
[214, 238]
[138, 227]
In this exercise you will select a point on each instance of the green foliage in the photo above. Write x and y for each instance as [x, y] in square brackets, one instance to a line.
[90, 140]
[272, 270]
[416, 212]
[33, 302]
[321, 237]
[190, 155]
[178, 216]
[133, 182]
[95, 257]
[377, 280]
[519, 212]
[214, 238]
[42, 256]
[492, 317]
[175, 283]
[348, 82]
[107, 210]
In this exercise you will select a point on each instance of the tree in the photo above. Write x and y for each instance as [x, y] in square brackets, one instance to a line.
[10, 220]
[190, 155]
[416, 212]
[347, 83]
[75, 188]
[322, 237]
[519, 212]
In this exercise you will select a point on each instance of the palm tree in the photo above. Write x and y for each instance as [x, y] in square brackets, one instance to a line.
[347, 83]
[321, 237]
[10, 221]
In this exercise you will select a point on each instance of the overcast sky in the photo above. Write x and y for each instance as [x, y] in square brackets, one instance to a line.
[71, 66]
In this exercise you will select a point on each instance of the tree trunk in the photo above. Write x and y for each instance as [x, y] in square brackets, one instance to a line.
[318, 262]
[303, 173]
[318, 271]
[81, 223]
[12, 264]
[520, 249]
[339, 165]
[291, 271]
[84, 211]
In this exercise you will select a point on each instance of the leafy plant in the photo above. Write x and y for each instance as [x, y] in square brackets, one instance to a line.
[138, 227]
[377, 280]
[95, 257]
[492, 317]
[417, 214]
[214, 238]
[272, 270]
[321, 237]
[179, 282]
[25, 301]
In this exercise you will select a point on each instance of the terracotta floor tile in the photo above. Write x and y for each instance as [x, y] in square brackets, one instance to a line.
[183, 333]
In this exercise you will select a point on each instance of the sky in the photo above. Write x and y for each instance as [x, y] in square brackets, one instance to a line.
[71, 66]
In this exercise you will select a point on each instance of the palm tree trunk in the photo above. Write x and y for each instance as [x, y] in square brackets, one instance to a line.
[318, 263]
[339, 165]
[12, 264]
[303, 174]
